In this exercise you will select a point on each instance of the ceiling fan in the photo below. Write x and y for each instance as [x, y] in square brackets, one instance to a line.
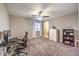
[39, 16]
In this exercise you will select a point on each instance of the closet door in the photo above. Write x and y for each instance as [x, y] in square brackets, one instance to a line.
[45, 29]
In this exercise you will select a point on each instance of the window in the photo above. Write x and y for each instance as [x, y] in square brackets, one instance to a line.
[36, 26]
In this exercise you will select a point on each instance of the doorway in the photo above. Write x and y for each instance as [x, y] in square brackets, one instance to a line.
[45, 28]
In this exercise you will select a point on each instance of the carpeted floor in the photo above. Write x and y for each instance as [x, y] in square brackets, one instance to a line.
[39, 47]
[45, 47]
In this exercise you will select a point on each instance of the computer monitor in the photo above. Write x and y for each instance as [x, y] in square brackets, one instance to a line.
[6, 34]
[0, 35]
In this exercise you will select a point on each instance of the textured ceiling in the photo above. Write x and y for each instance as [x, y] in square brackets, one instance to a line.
[52, 10]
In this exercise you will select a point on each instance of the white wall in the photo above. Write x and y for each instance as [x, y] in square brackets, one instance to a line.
[4, 18]
[69, 21]
[19, 25]
[78, 20]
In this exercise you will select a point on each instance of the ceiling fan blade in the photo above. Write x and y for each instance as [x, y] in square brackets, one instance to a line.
[46, 16]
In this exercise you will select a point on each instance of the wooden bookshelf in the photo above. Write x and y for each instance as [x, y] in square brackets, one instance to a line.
[68, 37]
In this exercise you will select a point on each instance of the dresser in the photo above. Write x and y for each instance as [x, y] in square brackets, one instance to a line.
[53, 35]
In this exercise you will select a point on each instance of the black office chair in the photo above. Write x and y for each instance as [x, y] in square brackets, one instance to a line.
[21, 46]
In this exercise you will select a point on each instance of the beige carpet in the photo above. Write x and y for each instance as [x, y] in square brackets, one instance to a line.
[39, 47]
[45, 47]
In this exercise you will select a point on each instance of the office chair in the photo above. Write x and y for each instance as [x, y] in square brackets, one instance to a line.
[21, 46]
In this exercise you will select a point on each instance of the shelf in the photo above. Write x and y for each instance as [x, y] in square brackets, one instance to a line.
[68, 36]
[70, 40]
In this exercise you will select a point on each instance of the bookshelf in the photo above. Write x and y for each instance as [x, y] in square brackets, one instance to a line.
[68, 37]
